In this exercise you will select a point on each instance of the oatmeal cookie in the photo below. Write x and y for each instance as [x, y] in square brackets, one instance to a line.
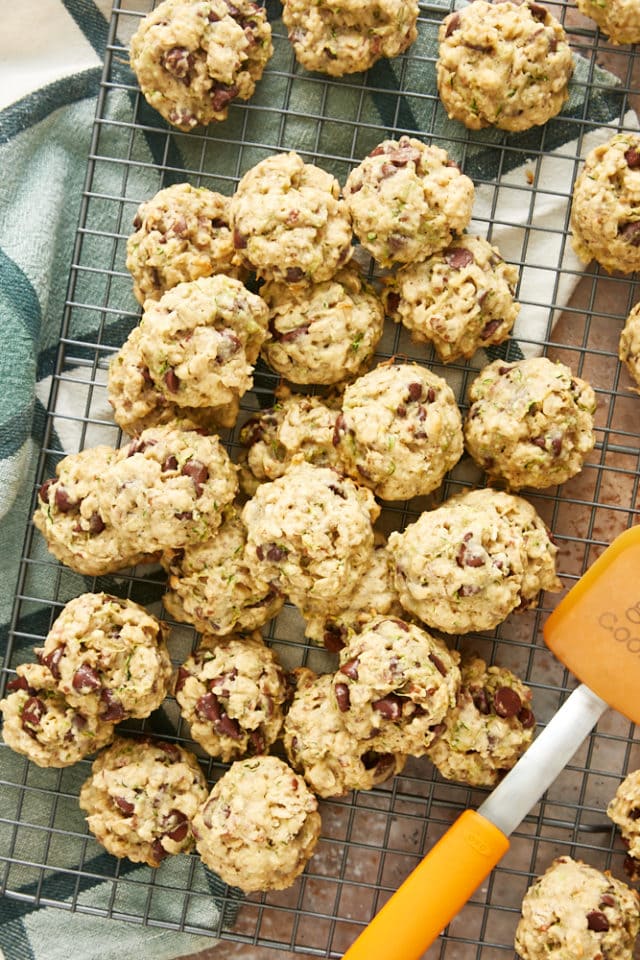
[296, 426]
[138, 403]
[232, 692]
[39, 723]
[488, 729]
[506, 65]
[605, 209]
[71, 519]
[108, 657]
[193, 57]
[374, 594]
[407, 201]
[182, 233]
[629, 346]
[212, 587]
[141, 798]
[346, 36]
[469, 563]
[530, 423]
[574, 910]
[289, 222]
[624, 810]
[619, 19]
[400, 431]
[199, 342]
[319, 746]
[459, 299]
[259, 826]
[180, 478]
[310, 533]
[322, 332]
[395, 685]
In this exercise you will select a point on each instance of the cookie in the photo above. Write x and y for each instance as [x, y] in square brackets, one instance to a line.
[141, 798]
[296, 426]
[488, 729]
[70, 516]
[400, 431]
[259, 826]
[232, 692]
[624, 810]
[619, 19]
[629, 345]
[459, 299]
[182, 233]
[289, 222]
[604, 207]
[41, 725]
[319, 746]
[473, 560]
[530, 423]
[395, 685]
[345, 36]
[506, 65]
[180, 477]
[211, 586]
[310, 533]
[108, 657]
[575, 910]
[407, 201]
[193, 57]
[374, 594]
[138, 403]
[322, 332]
[200, 341]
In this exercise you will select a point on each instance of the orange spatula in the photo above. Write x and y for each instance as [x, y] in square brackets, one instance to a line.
[595, 632]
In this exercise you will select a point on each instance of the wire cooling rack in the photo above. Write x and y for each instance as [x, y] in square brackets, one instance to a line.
[370, 840]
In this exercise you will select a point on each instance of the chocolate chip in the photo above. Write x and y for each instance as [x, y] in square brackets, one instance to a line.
[86, 679]
[137, 222]
[350, 668]
[208, 707]
[630, 232]
[607, 900]
[178, 61]
[292, 335]
[33, 711]
[400, 624]
[503, 371]
[179, 832]
[43, 492]
[467, 558]
[490, 328]
[124, 805]
[556, 446]
[635, 813]
[228, 346]
[222, 95]
[294, 274]
[96, 524]
[506, 702]
[342, 696]
[169, 463]
[380, 149]
[18, 683]
[340, 427]
[171, 750]
[113, 709]
[526, 718]
[597, 921]
[415, 391]
[257, 743]
[181, 679]
[632, 156]
[221, 683]
[401, 410]
[275, 553]
[539, 442]
[63, 501]
[159, 852]
[172, 381]
[453, 24]
[198, 473]
[52, 660]
[228, 727]
[438, 664]
[480, 700]
[553, 44]
[392, 301]
[213, 17]
[458, 257]
[538, 12]
[390, 706]
[185, 515]
[239, 239]
[387, 170]
[334, 637]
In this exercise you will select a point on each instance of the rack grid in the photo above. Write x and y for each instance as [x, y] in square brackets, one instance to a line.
[370, 840]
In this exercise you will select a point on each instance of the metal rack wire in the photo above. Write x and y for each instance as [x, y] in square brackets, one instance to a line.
[370, 840]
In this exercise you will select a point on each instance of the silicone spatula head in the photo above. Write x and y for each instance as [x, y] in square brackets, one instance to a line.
[595, 629]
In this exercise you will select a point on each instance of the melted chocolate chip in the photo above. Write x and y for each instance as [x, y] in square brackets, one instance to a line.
[597, 921]
[96, 524]
[506, 702]
[342, 696]
[124, 805]
[458, 257]
[350, 668]
[33, 711]
[112, 708]
[222, 95]
[390, 706]
[63, 501]
[86, 679]
[52, 660]
[169, 463]
[334, 637]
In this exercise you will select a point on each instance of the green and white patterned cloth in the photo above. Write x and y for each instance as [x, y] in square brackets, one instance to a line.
[51, 54]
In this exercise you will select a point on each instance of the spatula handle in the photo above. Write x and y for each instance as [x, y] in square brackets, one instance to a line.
[434, 893]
